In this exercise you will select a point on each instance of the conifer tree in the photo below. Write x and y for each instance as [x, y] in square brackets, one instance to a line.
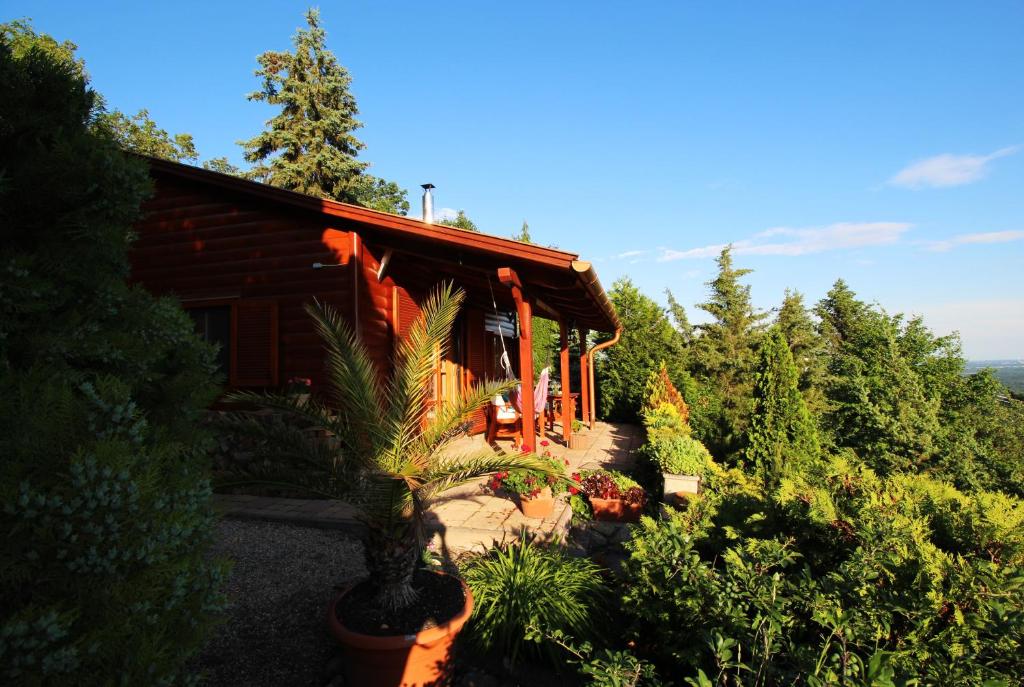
[679, 318]
[648, 338]
[104, 491]
[782, 432]
[310, 145]
[724, 355]
[524, 234]
[805, 344]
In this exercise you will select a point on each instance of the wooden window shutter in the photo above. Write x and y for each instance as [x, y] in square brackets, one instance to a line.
[476, 361]
[254, 344]
[406, 312]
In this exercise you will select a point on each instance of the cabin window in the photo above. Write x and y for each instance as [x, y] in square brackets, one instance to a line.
[213, 325]
[246, 333]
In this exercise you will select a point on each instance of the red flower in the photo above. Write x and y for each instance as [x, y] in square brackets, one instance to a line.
[525, 449]
[545, 443]
[573, 490]
[576, 476]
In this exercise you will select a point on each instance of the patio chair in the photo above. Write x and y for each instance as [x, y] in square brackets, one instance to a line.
[506, 419]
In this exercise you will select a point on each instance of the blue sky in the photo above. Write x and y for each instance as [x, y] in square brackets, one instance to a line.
[878, 142]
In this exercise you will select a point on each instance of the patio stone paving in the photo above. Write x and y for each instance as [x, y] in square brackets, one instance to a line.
[467, 517]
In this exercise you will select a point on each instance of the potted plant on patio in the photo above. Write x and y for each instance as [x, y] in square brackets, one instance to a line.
[536, 489]
[613, 497]
[386, 454]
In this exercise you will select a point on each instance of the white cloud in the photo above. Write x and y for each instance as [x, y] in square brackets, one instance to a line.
[991, 329]
[630, 254]
[983, 237]
[947, 170]
[445, 214]
[805, 241]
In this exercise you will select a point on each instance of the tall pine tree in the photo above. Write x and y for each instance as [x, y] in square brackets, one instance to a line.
[782, 432]
[724, 355]
[796, 325]
[310, 145]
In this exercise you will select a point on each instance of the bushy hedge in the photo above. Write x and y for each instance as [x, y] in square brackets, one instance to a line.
[838, 575]
[104, 496]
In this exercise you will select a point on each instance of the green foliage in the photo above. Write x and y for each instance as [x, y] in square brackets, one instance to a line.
[460, 221]
[724, 356]
[104, 493]
[806, 345]
[530, 482]
[659, 391]
[524, 234]
[221, 165]
[526, 585]
[677, 454]
[648, 339]
[386, 454]
[601, 667]
[140, 134]
[310, 145]
[782, 435]
[838, 575]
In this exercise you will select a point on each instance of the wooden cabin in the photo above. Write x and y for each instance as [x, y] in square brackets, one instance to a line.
[244, 258]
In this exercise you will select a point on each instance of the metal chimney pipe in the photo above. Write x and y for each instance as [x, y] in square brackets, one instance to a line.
[428, 204]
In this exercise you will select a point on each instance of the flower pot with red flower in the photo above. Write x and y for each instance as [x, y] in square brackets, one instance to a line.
[298, 388]
[614, 497]
[390, 459]
[537, 490]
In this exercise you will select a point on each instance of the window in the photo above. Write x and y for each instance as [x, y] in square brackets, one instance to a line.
[213, 324]
[246, 333]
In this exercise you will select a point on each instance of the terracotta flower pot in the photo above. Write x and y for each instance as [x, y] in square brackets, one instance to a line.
[615, 510]
[540, 506]
[399, 660]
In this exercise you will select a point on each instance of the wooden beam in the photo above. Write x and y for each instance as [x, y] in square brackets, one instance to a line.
[584, 377]
[524, 308]
[567, 414]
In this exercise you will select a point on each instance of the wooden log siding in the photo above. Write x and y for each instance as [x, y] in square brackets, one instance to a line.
[206, 245]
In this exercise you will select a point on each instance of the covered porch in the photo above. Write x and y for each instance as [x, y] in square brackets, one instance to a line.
[508, 285]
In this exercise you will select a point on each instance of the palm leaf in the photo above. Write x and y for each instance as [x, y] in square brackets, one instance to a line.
[442, 429]
[354, 382]
[452, 471]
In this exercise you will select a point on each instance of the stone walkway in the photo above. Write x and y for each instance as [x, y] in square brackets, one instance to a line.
[467, 517]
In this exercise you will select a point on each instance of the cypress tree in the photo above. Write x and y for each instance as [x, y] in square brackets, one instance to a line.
[310, 145]
[724, 355]
[782, 432]
[794, 321]
[104, 492]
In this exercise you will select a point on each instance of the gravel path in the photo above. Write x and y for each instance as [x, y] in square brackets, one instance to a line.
[275, 631]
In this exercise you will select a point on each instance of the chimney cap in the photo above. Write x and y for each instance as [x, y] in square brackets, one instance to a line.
[427, 186]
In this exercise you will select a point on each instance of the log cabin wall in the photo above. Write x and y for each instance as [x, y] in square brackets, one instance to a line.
[216, 250]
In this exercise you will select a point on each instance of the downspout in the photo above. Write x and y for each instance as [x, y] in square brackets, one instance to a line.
[590, 367]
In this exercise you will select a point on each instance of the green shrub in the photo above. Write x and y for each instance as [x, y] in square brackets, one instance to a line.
[104, 492]
[526, 584]
[677, 454]
[837, 576]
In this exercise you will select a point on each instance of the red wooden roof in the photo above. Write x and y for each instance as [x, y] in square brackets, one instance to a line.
[561, 282]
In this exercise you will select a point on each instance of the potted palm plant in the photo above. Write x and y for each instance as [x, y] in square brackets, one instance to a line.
[385, 454]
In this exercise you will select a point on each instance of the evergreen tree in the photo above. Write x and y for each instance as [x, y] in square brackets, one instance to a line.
[524, 234]
[794, 321]
[679, 318]
[877, 402]
[460, 221]
[724, 355]
[104, 493]
[310, 145]
[648, 338]
[782, 433]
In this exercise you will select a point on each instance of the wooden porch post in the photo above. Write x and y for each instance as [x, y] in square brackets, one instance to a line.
[584, 377]
[524, 308]
[567, 415]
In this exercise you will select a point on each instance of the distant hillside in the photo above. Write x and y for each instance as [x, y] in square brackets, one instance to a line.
[1009, 372]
